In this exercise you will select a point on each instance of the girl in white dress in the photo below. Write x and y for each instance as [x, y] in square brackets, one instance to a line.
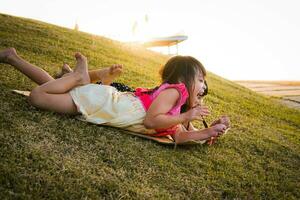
[158, 111]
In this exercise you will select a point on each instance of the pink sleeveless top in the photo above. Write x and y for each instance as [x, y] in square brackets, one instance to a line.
[147, 99]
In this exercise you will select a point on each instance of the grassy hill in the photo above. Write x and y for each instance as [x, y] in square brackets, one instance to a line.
[47, 155]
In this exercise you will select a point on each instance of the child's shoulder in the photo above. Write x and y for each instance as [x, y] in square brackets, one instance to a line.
[172, 92]
[178, 89]
[169, 96]
[172, 85]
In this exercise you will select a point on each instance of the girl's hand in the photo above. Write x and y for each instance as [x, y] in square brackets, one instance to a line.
[226, 121]
[218, 129]
[222, 120]
[196, 113]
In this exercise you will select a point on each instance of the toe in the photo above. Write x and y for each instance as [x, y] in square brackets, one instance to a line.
[66, 68]
[78, 55]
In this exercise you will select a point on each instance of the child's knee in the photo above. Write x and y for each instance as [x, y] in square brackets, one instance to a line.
[36, 97]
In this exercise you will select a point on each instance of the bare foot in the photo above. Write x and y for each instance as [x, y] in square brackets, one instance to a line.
[7, 54]
[108, 74]
[65, 71]
[82, 68]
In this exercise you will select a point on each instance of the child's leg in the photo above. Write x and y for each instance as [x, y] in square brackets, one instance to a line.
[33, 72]
[60, 103]
[106, 75]
[54, 95]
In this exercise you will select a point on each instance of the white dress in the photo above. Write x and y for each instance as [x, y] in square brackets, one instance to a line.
[102, 104]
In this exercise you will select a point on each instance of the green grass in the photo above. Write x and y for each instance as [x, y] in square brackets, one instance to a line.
[50, 156]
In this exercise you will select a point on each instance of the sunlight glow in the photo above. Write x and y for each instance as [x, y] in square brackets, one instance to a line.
[234, 39]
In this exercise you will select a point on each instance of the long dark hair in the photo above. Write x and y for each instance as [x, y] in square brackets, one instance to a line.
[182, 69]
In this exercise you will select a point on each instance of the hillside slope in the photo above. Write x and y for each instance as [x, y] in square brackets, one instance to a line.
[46, 155]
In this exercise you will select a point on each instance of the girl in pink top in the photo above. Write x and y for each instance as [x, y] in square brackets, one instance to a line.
[158, 110]
[183, 82]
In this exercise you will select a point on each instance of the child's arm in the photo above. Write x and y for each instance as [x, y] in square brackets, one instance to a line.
[156, 115]
[157, 118]
[182, 136]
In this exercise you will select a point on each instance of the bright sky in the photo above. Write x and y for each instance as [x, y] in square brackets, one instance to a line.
[236, 39]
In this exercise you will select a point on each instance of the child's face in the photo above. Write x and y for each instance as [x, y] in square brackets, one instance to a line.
[199, 86]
